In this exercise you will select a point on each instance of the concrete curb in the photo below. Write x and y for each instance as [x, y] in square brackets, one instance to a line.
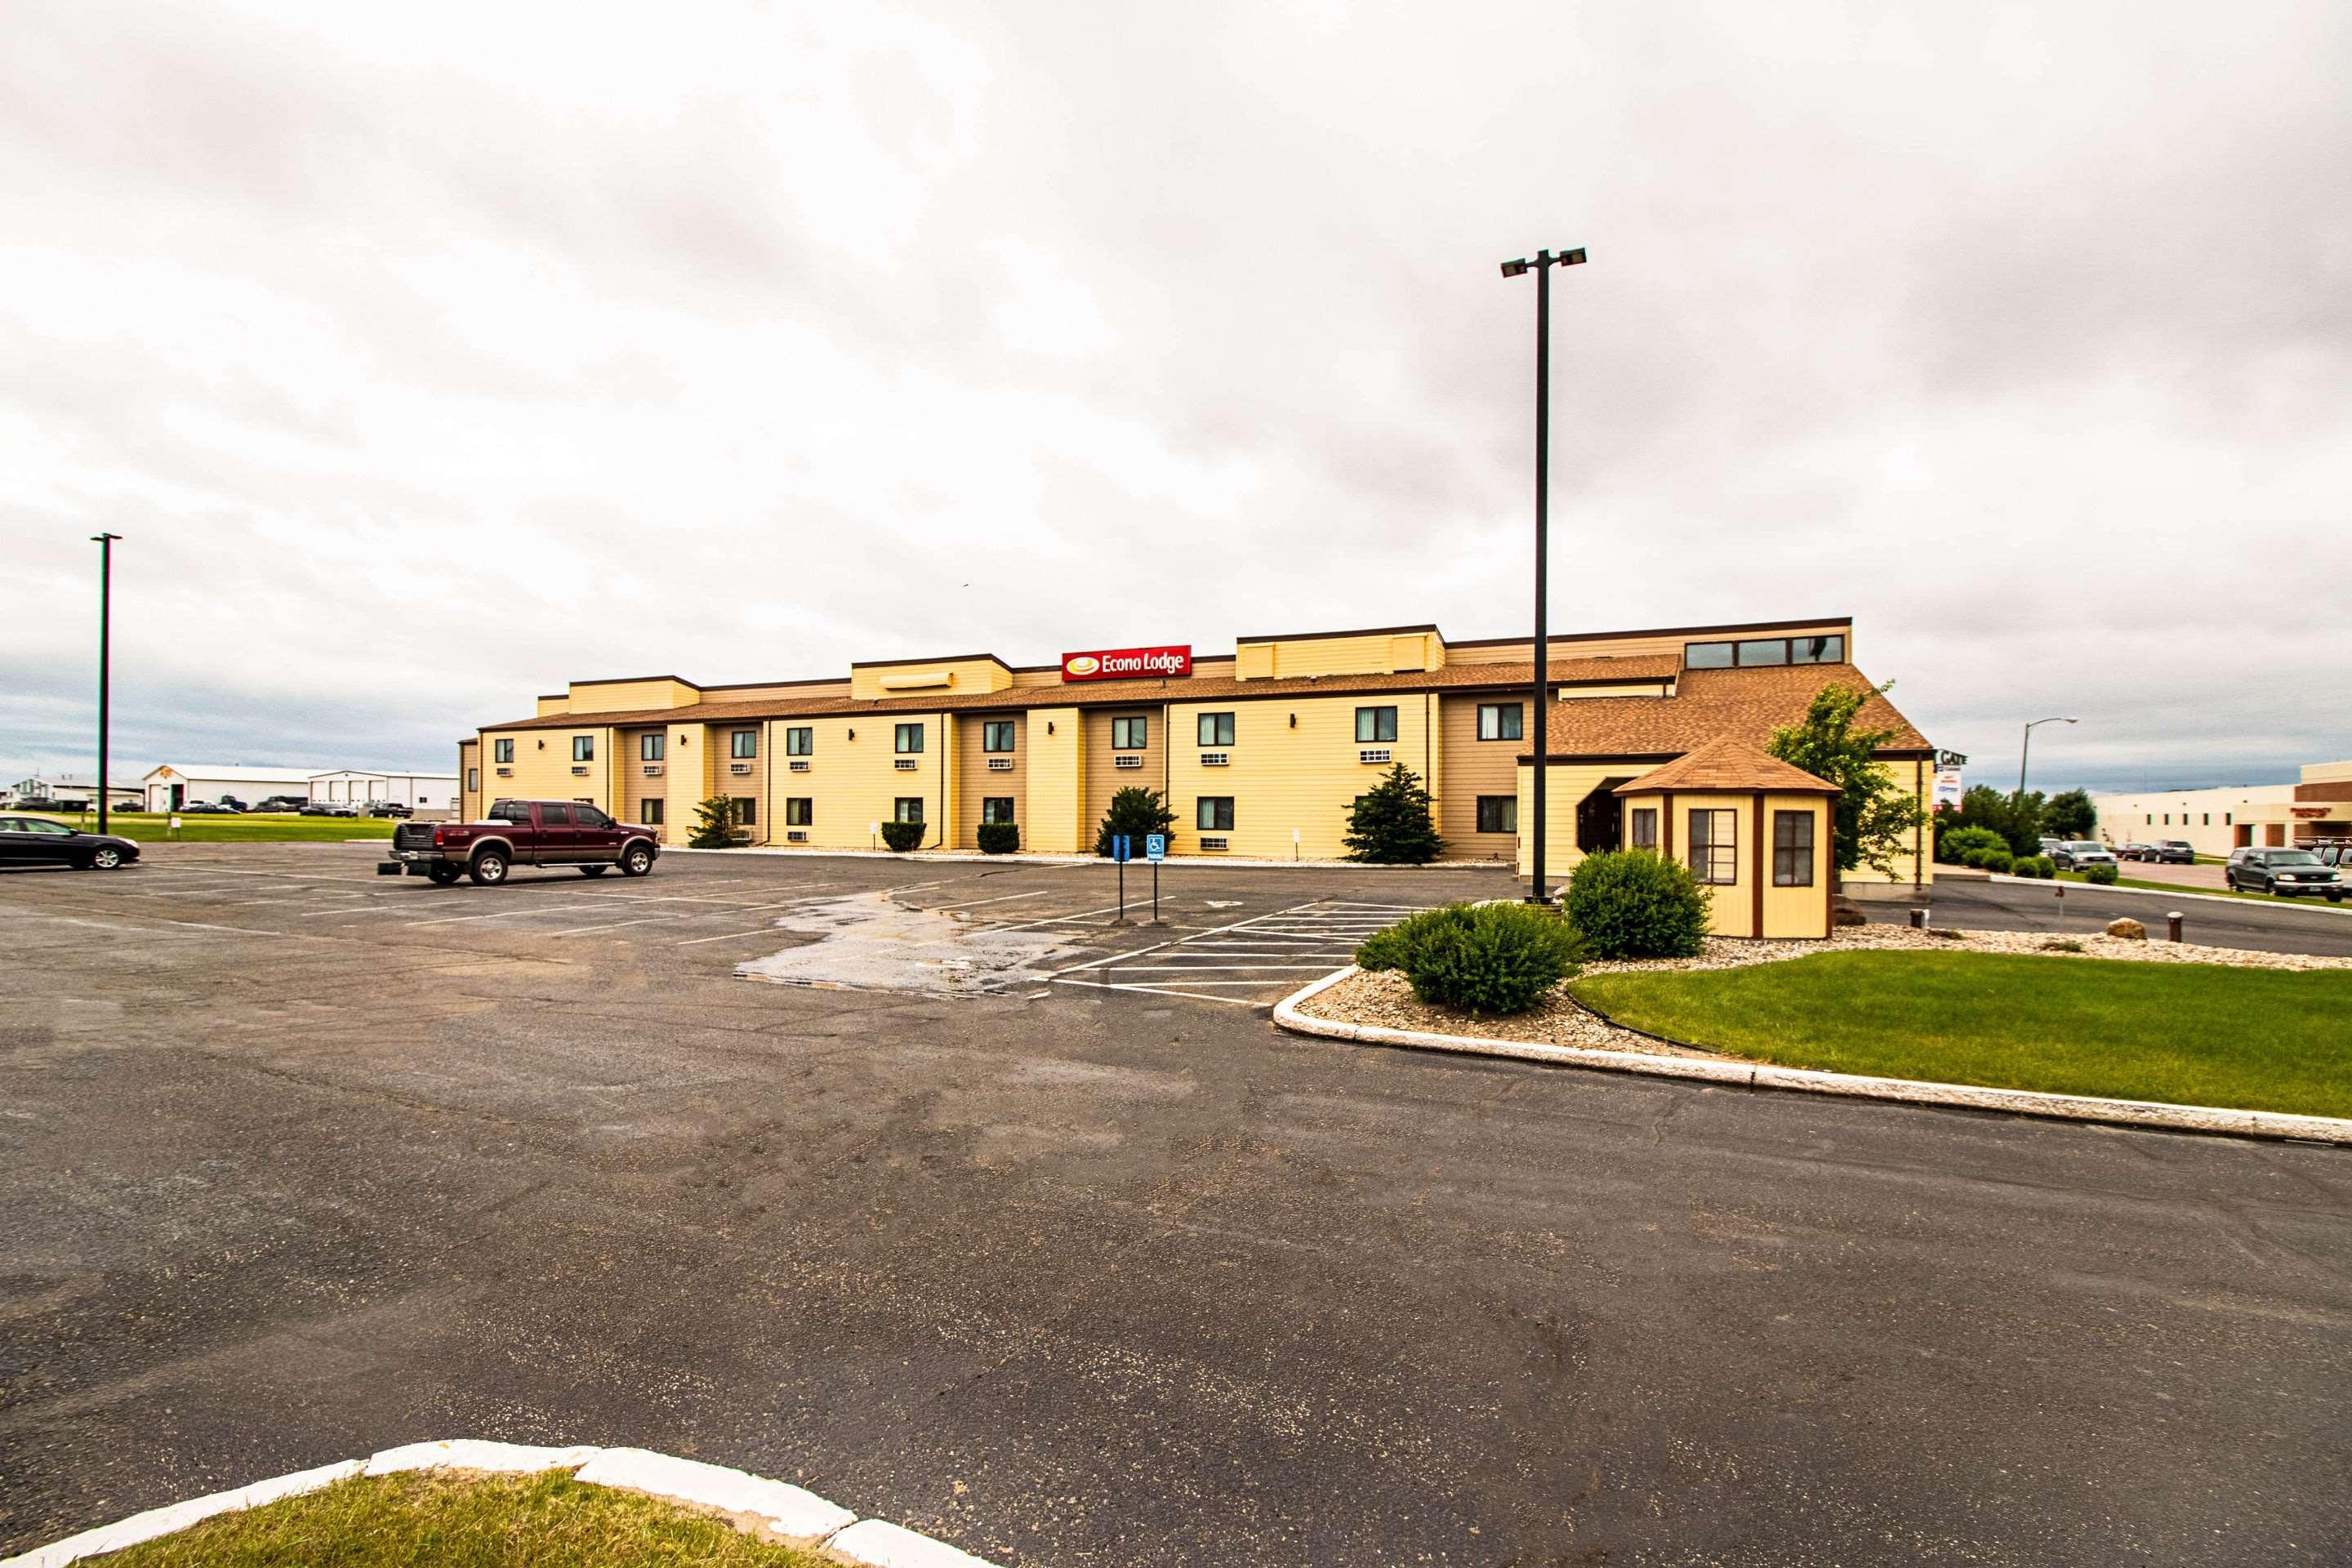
[2320, 907]
[1756, 1075]
[974, 857]
[801, 1518]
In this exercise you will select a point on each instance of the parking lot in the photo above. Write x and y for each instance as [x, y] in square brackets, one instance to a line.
[936, 1187]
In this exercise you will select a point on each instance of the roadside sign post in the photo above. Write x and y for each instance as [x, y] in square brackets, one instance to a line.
[1155, 849]
[1118, 853]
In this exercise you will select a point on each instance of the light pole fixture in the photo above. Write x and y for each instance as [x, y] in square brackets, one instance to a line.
[2023, 750]
[105, 542]
[1541, 265]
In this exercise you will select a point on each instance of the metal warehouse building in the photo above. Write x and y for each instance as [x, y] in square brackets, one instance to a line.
[1259, 751]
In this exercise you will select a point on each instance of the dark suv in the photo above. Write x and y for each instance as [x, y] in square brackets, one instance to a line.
[2164, 851]
[2290, 873]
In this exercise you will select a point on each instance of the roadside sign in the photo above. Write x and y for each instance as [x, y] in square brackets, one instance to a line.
[1155, 847]
[1952, 759]
[1948, 789]
[1118, 848]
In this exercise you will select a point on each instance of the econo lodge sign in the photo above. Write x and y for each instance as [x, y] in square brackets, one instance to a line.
[1127, 663]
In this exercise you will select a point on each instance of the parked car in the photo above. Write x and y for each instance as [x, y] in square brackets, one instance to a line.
[234, 804]
[2134, 850]
[2335, 855]
[284, 803]
[2288, 873]
[388, 808]
[2176, 851]
[2081, 853]
[521, 833]
[38, 841]
[204, 808]
[2050, 846]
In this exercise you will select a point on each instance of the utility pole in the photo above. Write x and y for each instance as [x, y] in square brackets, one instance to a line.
[105, 542]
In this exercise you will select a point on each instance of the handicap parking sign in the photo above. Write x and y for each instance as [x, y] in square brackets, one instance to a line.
[1155, 847]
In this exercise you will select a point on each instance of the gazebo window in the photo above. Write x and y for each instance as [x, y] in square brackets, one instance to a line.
[1792, 848]
[1714, 847]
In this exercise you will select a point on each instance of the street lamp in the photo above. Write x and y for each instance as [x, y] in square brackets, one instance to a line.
[105, 542]
[1542, 263]
[2028, 747]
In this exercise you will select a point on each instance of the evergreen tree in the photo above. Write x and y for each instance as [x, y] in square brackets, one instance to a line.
[1136, 813]
[714, 824]
[1391, 825]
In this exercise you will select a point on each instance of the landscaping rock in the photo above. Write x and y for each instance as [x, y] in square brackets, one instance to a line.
[2127, 929]
[1844, 911]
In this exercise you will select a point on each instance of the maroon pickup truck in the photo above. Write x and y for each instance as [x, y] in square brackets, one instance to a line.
[519, 833]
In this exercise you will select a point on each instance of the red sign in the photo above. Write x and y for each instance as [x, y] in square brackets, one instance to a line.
[1127, 663]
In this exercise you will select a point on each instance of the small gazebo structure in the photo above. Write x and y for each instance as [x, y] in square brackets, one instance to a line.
[1756, 831]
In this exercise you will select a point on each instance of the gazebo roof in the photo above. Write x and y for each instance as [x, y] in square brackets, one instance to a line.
[1728, 763]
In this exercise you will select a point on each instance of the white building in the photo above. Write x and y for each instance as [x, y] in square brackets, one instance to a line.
[2215, 821]
[418, 792]
[176, 783]
[77, 791]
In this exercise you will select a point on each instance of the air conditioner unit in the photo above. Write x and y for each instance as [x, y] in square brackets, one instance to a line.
[1212, 843]
[739, 767]
[1126, 760]
[1216, 759]
[905, 765]
[797, 767]
[1000, 764]
[506, 772]
[579, 773]
[1373, 754]
[652, 770]
[796, 835]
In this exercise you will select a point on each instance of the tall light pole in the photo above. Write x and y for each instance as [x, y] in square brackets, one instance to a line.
[105, 542]
[1539, 726]
[2023, 750]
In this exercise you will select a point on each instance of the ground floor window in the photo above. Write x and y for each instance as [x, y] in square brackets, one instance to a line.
[1645, 827]
[747, 811]
[649, 812]
[906, 808]
[1792, 848]
[1714, 847]
[799, 811]
[1215, 813]
[1498, 814]
[997, 808]
[473, 778]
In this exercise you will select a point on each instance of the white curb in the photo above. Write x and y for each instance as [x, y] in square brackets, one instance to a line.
[1024, 858]
[1754, 1075]
[2203, 898]
[801, 1517]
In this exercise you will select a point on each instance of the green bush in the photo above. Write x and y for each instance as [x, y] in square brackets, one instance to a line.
[2029, 866]
[998, 838]
[2043, 867]
[714, 825]
[2104, 876]
[1954, 845]
[1136, 813]
[902, 837]
[1391, 824]
[1630, 904]
[1999, 862]
[1481, 958]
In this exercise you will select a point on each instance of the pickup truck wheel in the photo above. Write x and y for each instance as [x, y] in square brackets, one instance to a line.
[442, 876]
[488, 869]
[593, 870]
[637, 862]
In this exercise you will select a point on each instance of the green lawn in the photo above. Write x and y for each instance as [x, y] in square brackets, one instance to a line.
[246, 829]
[414, 1521]
[2202, 892]
[2193, 1034]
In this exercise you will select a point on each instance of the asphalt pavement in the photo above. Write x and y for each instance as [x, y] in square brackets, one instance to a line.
[296, 1163]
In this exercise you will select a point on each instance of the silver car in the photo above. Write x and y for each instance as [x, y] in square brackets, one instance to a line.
[2080, 854]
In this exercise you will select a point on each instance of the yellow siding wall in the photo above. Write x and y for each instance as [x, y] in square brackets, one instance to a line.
[686, 777]
[629, 773]
[470, 798]
[1800, 911]
[552, 705]
[1374, 653]
[1470, 768]
[542, 767]
[628, 696]
[1284, 778]
[963, 677]
[1104, 777]
[852, 783]
[975, 780]
[1615, 688]
[1053, 812]
[1913, 779]
[1565, 786]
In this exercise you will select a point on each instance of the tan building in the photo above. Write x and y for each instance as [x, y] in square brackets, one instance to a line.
[1259, 752]
[2315, 811]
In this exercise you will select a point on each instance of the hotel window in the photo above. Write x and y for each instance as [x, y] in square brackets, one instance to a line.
[800, 741]
[2209, 820]
[649, 812]
[1816, 650]
[584, 748]
[1764, 650]
[1706, 656]
[1498, 814]
[799, 811]
[997, 808]
[743, 744]
[1499, 720]
[910, 739]
[747, 811]
[1130, 734]
[1214, 814]
[1714, 847]
[473, 778]
[906, 808]
[1645, 827]
[1216, 729]
[2225, 819]
[1375, 724]
[649, 748]
[996, 735]
[1792, 848]
[502, 751]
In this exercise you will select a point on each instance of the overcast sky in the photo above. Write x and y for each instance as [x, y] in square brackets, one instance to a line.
[430, 357]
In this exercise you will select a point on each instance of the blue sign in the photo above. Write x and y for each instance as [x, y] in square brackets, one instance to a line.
[1155, 847]
[1119, 848]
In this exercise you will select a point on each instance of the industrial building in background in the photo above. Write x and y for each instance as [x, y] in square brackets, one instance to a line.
[2307, 815]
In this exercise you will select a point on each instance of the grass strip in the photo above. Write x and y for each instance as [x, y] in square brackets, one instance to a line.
[148, 828]
[456, 1520]
[2201, 892]
[2191, 1033]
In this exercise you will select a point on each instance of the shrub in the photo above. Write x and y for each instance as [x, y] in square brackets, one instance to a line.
[1389, 824]
[714, 825]
[2029, 866]
[2104, 876]
[1999, 862]
[1481, 958]
[2045, 868]
[1630, 904]
[998, 838]
[902, 837]
[1954, 845]
[1136, 813]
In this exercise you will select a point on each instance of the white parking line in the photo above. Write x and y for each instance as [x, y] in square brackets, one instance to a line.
[1006, 898]
[725, 936]
[582, 930]
[503, 914]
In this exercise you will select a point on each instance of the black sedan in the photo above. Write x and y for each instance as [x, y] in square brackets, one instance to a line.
[38, 841]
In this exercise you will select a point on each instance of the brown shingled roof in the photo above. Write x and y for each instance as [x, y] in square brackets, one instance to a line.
[1124, 693]
[1746, 704]
[1728, 762]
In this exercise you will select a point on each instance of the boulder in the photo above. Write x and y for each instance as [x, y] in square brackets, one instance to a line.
[2129, 929]
[1844, 911]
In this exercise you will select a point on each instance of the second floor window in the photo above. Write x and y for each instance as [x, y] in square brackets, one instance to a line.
[996, 735]
[649, 748]
[1499, 720]
[1216, 729]
[1375, 724]
[1130, 734]
[584, 748]
[800, 741]
[743, 744]
[502, 751]
[910, 739]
